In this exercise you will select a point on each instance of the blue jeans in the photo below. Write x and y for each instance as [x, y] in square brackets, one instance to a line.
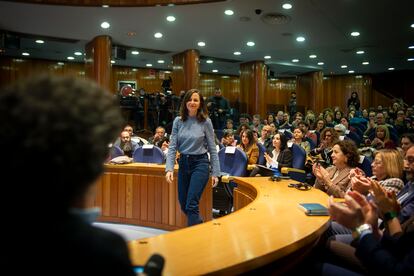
[193, 175]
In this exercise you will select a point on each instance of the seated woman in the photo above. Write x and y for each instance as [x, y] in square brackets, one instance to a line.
[387, 169]
[248, 145]
[281, 156]
[382, 139]
[298, 136]
[335, 179]
[329, 137]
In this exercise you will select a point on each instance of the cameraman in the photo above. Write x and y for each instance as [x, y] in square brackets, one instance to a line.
[218, 107]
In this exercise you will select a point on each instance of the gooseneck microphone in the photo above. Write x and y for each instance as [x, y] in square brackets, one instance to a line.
[154, 265]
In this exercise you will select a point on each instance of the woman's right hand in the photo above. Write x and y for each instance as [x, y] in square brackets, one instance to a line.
[268, 158]
[169, 176]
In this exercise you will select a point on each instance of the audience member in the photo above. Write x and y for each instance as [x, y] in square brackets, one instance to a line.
[68, 125]
[248, 145]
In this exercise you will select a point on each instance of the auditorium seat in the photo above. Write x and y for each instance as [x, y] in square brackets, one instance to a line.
[262, 149]
[365, 165]
[116, 151]
[148, 154]
[233, 162]
[299, 157]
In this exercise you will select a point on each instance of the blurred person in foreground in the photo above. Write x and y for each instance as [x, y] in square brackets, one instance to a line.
[68, 125]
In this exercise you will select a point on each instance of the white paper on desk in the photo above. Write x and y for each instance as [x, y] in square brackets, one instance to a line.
[341, 138]
[230, 150]
[347, 131]
[289, 144]
[361, 159]
[148, 146]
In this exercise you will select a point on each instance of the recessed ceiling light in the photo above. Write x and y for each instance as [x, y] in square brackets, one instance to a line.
[344, 66]
[321, 63]
[105, 6]
[134, 69]
[77, 53]
[411, 47]
[410, 59]
[25, 54]
[113, 61]
[287, 6]
[391, 68]
[39, 41]
[365, 63]
[237, 53]
[209, 61]
[358, 77]
[412, 25]
[355, 34]
[135, 52]
[267, 57]
[105, 25]
[148, 65]
[360, 52]
[351, 71]
[214, 70]
[158, 35]
[250, 43]
[160, 61]
[60, 63]
[170, 18]
[70, 58]
[300, 39]
[295, 60]
[229, 12]
[201, 43]
[312, 56]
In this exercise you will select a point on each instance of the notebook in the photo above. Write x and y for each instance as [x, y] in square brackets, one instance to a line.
[314, 209]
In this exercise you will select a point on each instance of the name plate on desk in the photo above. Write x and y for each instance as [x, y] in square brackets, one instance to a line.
[230, 150]
[147, 146]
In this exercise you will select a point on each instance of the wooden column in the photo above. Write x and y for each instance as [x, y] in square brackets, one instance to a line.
[309, 91]
[98, 60]
[253, 79]
[185, 73]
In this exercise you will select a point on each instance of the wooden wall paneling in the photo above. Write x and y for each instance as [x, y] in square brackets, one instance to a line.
[121, 195]
[252, 86]
[185, 71]
[165, 202]
[144, 199]
[136, 197]
[380, 99]
[172, 195]
[157, 199]
[129, 182]
[113, 195]
[278, 93]
[106, 193]
[151, 198]
[98, 60]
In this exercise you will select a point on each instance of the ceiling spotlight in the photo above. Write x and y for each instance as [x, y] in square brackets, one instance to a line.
[300, 39]
[344, 66]
[295, 60]
[39, 41]
[160, 61]
[287, 6]
[105, 25]
[105, 6]
[267, 57]
[351, 71]
[25, 54]
[355, 34]
[70, 58]
[135, 52]
[365, 63]
[411, 47]
[312, 56]
[209, 61]
[60, 63]
[148, 65]
[360, 52]
[237, 53]
[170, 18]
[321, 63]
[201, 43]
[77, 53]
[158, 35]
[412, 25]
[391, 69]
[228, 12]
[410, 59]
[250, 43]
[214, 70]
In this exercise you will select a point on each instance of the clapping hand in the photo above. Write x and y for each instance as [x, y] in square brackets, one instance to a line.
[386, 201]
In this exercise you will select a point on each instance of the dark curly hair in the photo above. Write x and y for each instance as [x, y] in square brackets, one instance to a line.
[56, 130]
[350, 150]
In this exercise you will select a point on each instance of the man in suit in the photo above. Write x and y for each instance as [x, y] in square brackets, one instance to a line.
[68, 124]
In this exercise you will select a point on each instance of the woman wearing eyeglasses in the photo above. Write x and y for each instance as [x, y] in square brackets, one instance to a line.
[335, 179]
[328, 139]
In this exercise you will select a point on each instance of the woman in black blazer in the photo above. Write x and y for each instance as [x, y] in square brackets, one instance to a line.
[280, 156]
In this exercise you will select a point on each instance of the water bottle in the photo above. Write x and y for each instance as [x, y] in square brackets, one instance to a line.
[276, 172]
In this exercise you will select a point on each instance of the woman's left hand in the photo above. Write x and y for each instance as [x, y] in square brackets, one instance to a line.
[215, 181]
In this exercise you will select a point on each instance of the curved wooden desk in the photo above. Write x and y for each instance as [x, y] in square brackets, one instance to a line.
[138, 194]
[269, 228]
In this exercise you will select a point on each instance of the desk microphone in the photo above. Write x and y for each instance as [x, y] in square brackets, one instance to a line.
[154, 265]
